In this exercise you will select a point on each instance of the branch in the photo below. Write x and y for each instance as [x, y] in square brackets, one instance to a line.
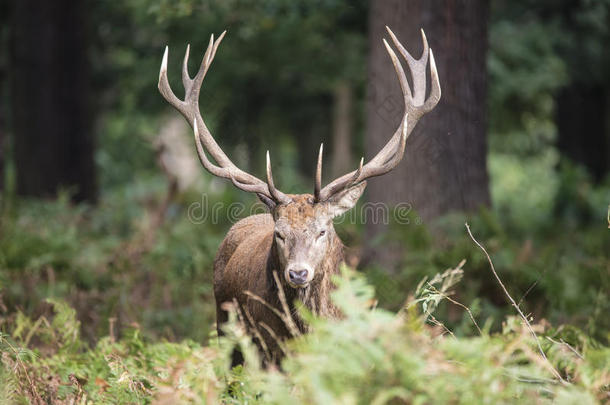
[514, 304]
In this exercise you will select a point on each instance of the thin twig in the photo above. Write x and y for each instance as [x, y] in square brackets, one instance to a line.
[274, 336]
[448, 298]
[534, 380]
[534, 357]
[35, 393]
[270, 307]
[531, 287]
[280, 292]
[514, 304]
[571, 348]
[563, 342]
[255, 330]
[436, 322]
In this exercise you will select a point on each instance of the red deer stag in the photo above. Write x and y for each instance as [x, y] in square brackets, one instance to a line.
[293, 251]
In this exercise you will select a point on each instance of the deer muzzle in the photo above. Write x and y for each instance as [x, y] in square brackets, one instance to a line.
[299, 275]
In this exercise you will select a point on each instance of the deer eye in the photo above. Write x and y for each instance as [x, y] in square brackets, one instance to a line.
[322, 233]
[279, 236]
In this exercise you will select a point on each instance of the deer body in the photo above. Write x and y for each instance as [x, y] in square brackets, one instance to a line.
[267, 263]
[246, 262]
[252, 252]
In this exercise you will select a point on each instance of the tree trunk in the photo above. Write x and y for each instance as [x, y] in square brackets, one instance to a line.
[342, 131]
[2, 136]
[53, 139]
[583, 128]
[4, 21]
[444, 168]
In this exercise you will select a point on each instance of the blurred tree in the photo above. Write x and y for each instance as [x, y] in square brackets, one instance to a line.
[342, 130]
[4, 23]
[583, 106]
[444, 167]
[582, 125]
[49, 82]
[555, 68]
[272, 84]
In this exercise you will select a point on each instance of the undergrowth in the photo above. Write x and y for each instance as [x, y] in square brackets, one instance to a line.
[372, 356]
[106, 304]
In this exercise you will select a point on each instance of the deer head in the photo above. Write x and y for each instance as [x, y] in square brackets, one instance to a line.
[304, 234]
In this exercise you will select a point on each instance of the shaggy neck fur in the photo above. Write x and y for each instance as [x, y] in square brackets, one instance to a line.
[316, 296]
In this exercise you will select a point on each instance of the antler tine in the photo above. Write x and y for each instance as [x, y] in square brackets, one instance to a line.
[435, 92]
[204, 142]
[260, 188]
[416, 66]
[164, 86]
[186, 79]
[402, 78]
[218, 43]
[206, 62]
[358, 172]
[416, 105]
[338, 186]
[275, 193]
[318, 181]
[205, 162]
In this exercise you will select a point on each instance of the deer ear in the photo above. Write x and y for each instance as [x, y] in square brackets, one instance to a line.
[345, 200]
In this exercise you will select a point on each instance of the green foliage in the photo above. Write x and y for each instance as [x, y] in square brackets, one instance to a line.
[276, 69]
[536, 49]
[547, 231]
[97, 260]
[369, 356]
[525, 72]
[561, 276]
[99, 304]
[109, 263]
[430, 293]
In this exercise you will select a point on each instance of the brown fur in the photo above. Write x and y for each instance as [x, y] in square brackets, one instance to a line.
[297, 239]
[247, 259]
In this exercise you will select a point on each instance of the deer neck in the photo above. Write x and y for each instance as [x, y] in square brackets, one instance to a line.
[316, 296]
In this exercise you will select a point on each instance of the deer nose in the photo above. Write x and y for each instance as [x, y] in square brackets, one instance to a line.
[298, 276]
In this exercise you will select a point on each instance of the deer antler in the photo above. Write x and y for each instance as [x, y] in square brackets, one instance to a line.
[189, 108]
[415, 107]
